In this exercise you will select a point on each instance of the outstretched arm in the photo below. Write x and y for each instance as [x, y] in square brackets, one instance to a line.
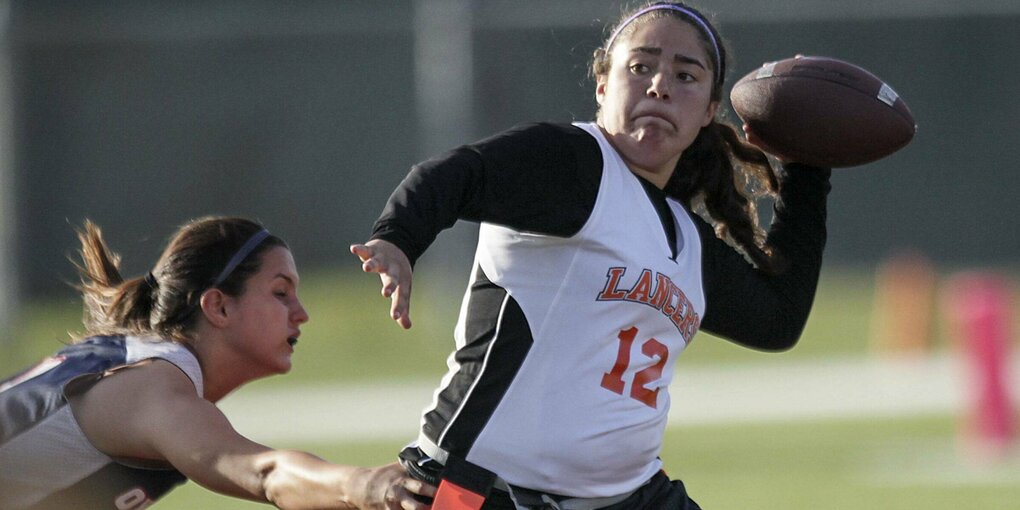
[540, 178]
[152, 412]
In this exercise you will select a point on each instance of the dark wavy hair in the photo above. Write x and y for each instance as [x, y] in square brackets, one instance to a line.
[166, 301]
[719, 175]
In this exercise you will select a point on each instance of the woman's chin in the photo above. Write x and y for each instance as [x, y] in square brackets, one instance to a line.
[283, 366]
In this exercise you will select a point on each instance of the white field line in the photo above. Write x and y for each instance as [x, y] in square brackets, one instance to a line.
[762, 392]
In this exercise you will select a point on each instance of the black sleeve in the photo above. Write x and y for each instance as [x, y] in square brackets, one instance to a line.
[540, 178]
[756, 309]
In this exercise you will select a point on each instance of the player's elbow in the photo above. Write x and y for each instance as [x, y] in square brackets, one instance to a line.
[780, 344]
[784, 337]
[780, 338]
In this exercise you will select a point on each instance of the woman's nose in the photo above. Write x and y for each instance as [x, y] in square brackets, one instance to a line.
[659, 86]
[299, 315]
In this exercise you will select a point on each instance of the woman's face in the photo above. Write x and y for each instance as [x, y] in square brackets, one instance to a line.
[270, 315]
[656, 96]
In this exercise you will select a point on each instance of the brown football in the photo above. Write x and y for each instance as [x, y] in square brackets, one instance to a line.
[822, 111]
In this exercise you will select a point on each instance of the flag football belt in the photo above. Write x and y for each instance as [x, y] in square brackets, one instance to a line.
[462, 485]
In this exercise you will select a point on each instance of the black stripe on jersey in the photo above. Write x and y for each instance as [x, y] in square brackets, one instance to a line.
[498, 339]
[23, 405]
[658, 199]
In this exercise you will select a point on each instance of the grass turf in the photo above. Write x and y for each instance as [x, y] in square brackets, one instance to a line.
[890, 464]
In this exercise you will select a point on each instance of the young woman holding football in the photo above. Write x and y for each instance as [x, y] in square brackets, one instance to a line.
[593, 272]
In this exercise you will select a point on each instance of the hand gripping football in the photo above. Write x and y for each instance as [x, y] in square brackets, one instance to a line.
[823, 112]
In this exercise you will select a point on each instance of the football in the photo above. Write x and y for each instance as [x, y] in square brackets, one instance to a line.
[823, 112]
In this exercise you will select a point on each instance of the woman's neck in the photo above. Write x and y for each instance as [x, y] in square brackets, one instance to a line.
[657, 176]
[659, 179]
[221, 373]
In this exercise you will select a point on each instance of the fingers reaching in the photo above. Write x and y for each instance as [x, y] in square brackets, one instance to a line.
[419, 487]
[394, 270]
[409, 489]
[400, 307]
[365, 253]
[390, 487]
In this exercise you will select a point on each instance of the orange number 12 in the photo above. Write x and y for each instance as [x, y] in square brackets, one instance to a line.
[613, 380]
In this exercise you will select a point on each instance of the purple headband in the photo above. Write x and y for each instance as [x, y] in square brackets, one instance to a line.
[240, 255]
[693, 15]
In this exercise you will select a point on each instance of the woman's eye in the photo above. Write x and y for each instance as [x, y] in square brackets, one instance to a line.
[685, 76]
[638, 68]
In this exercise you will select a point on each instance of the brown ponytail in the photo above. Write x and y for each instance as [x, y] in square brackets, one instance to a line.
[112, 305]
[726, 176]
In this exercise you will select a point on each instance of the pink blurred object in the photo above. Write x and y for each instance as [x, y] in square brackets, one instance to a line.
[981, 306]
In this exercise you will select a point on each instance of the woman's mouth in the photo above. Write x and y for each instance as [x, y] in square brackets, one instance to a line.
[292, 341]
[653, 119]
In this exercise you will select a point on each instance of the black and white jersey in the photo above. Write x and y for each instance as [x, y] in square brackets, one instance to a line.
[45, 459]
[588, 283]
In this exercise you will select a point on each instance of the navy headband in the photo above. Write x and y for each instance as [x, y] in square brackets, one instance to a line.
[683, 10]
[240, 255]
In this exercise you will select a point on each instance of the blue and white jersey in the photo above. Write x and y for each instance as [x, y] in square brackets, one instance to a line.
[45, 459]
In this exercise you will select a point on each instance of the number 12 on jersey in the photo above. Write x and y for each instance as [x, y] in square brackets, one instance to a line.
[613, 380]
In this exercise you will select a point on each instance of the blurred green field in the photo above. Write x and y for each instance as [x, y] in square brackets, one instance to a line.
[351, 337]
[903, 463]
[843, 465]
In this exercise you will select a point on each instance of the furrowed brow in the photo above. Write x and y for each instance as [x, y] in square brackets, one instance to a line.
[647, 49]
[679, 57]
[684, 59]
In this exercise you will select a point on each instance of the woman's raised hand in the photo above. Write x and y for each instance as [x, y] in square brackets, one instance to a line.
[384, 258]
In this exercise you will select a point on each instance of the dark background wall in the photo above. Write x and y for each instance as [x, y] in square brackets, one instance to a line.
[140, 115]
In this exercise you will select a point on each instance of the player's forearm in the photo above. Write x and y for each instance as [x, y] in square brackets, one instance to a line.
[766, 311]
[298, 480]
[798, 230]
[431, 198]
[798, 234]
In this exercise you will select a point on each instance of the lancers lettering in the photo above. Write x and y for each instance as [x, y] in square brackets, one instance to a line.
[658, 292]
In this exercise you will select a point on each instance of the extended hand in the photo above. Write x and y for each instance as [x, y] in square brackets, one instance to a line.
[389, 488]
[384, 258]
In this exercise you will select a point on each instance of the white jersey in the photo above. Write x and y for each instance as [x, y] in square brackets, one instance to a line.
[566, 346]
[46, 460]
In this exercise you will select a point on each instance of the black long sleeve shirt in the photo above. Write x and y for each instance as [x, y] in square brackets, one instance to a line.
[544, 178]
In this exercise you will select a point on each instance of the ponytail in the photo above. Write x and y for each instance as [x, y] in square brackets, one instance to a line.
[112, 304]
[725, 177]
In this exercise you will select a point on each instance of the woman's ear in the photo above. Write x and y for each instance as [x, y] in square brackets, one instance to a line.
[600, 88]
[214, 307]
